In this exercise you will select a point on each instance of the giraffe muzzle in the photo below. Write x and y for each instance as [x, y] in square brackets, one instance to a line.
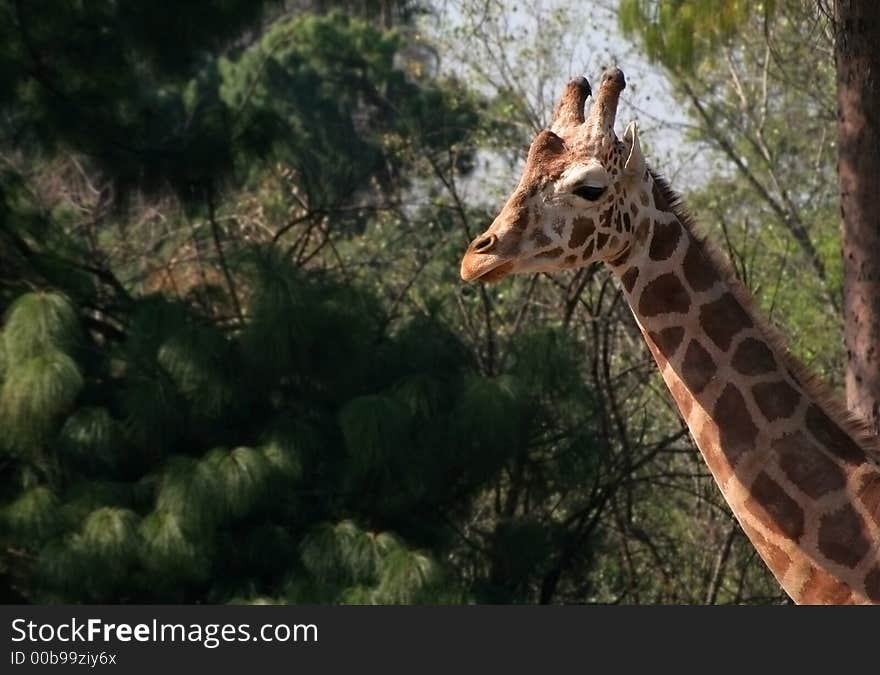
[481, 262]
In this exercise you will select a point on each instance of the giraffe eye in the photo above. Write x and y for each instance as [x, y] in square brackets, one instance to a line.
[589, 192]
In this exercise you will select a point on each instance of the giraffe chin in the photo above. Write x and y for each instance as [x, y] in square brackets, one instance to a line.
[492, 275]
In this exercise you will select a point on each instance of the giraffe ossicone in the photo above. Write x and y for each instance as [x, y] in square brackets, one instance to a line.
[799, 474]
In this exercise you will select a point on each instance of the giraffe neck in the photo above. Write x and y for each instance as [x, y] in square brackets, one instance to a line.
[806, 494]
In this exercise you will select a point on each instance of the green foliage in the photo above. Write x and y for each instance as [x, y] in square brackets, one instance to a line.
[405, 575]
[681, 33]
[35, 393]
[90, 438]
[110, 535]
[280, 318]
[124, 83]
[173, 553]
[323, 94]
[105, 551]
[376, 430]
[152, 409]
[775, 211]
[373, 430]
[34, 516]
[367, 567]
[484, 401]
[546, 361]
[41, 380]
[155, 508]
[240, 475]
[197, 359]
[520, 549]
[283, 462]
[37, 323]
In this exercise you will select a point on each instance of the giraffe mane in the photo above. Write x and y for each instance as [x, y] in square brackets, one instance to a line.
[853, 425]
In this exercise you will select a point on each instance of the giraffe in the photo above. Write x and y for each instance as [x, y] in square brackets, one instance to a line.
[801, 476]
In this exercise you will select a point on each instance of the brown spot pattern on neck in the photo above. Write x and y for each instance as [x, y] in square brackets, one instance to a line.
[724, 318]
[698, 269]
[663, 295]
[785, 466]
[665, 240]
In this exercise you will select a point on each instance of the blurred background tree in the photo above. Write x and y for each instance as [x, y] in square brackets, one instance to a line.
[236, 361]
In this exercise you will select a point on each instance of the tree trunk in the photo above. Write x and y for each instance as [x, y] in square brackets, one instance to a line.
[857, 24]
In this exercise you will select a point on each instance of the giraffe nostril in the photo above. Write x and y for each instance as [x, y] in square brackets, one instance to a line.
[485, 244]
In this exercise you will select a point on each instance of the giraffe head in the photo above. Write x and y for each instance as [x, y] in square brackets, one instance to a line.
[578, 196]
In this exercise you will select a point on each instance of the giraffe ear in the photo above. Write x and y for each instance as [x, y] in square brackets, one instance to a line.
[635, 163]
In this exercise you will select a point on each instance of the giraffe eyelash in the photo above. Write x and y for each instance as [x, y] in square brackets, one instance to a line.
[589, 192]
